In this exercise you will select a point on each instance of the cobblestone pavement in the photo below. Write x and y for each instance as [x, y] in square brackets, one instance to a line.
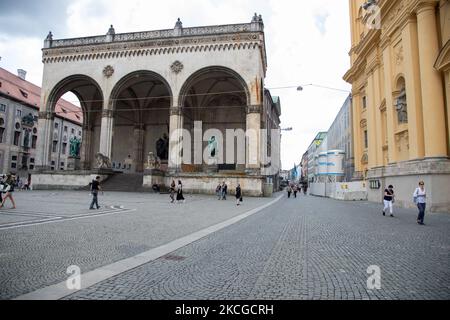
[304, 248]
[49, 231]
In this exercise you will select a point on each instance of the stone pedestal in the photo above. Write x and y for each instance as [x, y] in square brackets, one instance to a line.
[152, 177]
[73, 163]
[211, 166]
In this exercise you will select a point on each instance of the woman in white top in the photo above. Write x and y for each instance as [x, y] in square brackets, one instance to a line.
[420, 197]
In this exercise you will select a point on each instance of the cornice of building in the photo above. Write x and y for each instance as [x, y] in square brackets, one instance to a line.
[178, 40]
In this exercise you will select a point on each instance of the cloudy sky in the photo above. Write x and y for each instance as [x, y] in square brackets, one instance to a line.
[307, 42]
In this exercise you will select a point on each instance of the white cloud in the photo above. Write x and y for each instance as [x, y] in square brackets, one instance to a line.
[300, 51]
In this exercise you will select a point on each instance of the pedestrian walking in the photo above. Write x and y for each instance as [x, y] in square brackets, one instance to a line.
[305, 188]
[2, 187]
[219, 191]
[238, 194]
[180, 192]
[172, 191]
[95, 188]
[420, 197]
[289, 190]
[295, 190]
[224, 190]
[388, 199]
[9, 189]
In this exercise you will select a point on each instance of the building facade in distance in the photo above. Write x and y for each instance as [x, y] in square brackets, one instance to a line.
[19, 112]
[316, 146]
[400, 62]
[340, 137]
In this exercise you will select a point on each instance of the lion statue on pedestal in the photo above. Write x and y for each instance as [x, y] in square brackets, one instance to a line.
[103, 161]
[153, 162]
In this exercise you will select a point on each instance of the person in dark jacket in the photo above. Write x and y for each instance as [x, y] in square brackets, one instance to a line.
[95, 188]
[219, 191]
[172, 191]
[238, 194]
[224, 191]
[388, 200]
[289, 190]
[180, 192]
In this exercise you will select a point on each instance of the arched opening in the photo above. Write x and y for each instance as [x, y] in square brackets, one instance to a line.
[214, 100]
[77, 102]
[141, 103]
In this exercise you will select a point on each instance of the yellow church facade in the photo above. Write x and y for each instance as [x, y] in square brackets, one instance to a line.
[400, 76]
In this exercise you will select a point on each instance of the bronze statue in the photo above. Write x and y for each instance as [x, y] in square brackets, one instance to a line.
[162, 147]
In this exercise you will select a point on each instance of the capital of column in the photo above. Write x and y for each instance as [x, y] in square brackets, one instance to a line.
[425, 6]
[176, 111]
[254, 109]
[47, 115]
[107, 113]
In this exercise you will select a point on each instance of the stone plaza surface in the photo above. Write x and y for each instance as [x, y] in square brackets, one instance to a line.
[304, 248]
[51, 230]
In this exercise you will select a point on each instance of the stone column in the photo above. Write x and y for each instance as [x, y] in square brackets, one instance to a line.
[138, 147]
[106, 132]
[431, 82]
[413, 96]
[86, 147]
[175, 139]
[44, 142]
[253, 139]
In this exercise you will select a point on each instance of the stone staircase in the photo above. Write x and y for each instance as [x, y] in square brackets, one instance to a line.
[124, 182]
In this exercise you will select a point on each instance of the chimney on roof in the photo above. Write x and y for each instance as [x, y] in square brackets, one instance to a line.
[21, 73]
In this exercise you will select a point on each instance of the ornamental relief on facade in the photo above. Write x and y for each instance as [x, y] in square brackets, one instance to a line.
[399, 56]
[176, 67]
[108, 71]
[394, 13]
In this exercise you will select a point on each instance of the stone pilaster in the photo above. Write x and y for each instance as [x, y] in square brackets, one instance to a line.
[253, 139]
[138, 148]
[86, 148]
[392, 153]
[44, 142]
[106, 132]
[175, 139]
[413, 96]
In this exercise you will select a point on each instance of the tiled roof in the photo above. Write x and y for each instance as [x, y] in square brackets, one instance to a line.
[29, 94]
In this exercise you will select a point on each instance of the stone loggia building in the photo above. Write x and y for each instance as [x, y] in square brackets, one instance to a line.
[400, 65]
[138, 90]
